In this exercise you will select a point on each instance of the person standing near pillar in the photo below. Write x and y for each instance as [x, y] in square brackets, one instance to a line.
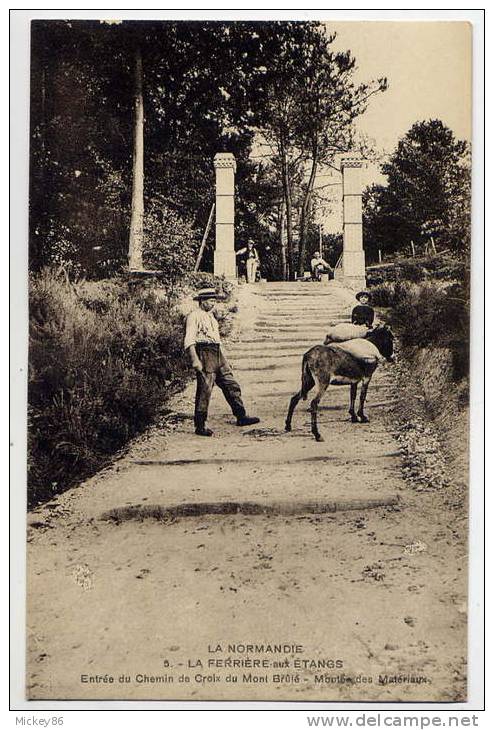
[250, 261]
[203, 344]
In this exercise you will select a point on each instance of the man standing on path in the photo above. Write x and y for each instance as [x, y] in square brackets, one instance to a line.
[202, 342]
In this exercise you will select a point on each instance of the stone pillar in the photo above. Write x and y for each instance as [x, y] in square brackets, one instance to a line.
[224, 253]
[353, 263]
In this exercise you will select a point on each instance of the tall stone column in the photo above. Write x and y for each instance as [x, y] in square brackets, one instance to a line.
[224, 253]
[353, 262]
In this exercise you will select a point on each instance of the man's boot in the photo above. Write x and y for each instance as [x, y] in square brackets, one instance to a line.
[247, 420]
[200, 424]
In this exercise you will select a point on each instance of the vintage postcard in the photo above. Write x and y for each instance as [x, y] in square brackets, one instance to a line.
[280, 209]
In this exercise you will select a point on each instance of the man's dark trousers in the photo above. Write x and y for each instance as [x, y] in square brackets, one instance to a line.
[215, 369]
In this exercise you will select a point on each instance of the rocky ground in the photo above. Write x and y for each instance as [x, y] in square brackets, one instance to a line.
[186, 555]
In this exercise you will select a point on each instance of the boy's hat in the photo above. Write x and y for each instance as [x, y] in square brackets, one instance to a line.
[362, 294]
[208, 293]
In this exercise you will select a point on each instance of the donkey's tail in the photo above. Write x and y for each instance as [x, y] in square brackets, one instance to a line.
[307, 379]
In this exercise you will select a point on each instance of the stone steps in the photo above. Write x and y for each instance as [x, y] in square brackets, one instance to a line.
[303, 317]
[260, 341]
[270, 345]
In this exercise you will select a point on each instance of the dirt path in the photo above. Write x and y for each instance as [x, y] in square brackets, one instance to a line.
[366, 603]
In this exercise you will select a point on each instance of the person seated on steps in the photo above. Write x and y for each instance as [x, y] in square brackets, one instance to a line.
[318, 266]
[363, 313]
[203, 344]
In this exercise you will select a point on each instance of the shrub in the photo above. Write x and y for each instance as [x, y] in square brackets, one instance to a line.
[170, 245]
[428, 315]
[204, 280]
[439, 266]
[410, 271]
[389, 293]
[451, 270]
[374, 278]
[103, 359]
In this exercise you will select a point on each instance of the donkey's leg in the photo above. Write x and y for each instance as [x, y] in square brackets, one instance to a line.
[353, 396]
[363, 395]
[293, 404]
[307, 384]
[321, 387]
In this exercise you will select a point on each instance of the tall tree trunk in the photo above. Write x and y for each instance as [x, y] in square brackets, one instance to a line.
[287, 193]
[136, 237]
[306, 209]
[282, 234]
[43, 124]
[42, 204]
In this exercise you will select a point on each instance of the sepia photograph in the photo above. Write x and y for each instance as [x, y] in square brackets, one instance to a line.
[281, 209]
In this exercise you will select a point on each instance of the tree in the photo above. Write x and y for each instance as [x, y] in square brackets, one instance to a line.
[428, 192]
[77, 194]
[136, 237]
[276, 113]
[170, 245]
[305, 114]
[197, 86]
[457, 231]
[380, 222]
[329, 103]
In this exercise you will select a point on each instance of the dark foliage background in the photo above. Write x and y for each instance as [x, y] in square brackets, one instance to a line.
[202, 90]
[427, 195]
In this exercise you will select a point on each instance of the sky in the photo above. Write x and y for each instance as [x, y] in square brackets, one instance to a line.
[428, 67]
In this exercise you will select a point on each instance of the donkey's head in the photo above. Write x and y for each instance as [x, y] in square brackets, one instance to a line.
[382, 337]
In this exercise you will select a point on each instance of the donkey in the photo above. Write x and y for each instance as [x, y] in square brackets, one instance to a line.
[345, 363]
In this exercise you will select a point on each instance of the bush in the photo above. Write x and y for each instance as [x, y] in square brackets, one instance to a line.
[410, 271]
[428, 315]
[103, 359]
[170, 244]
[373, 278]
[451, 270]
[439, 266]
[389, 294]
[205, 280]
